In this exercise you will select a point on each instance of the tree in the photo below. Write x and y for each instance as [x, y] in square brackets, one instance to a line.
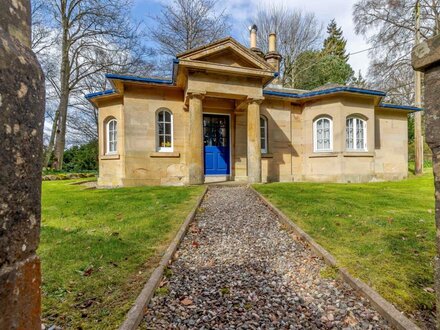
[335, 43]
[315, 68]
[389, 26]
[84, 39]
[82, 158]
[297, 32]
[358, 81]
[185, 24]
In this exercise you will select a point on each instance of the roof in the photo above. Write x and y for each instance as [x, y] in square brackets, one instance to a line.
[332, 90]
[221, 44]
[399, 107]
[270, 90]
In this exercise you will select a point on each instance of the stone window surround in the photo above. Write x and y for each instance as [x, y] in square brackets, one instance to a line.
[107, 122]
[158, 147]
[364, 121]
[264, 150]
[315, 135]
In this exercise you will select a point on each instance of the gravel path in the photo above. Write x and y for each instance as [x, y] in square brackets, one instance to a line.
[237, 268]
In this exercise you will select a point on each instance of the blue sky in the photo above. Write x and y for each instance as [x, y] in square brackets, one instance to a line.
[241, 11]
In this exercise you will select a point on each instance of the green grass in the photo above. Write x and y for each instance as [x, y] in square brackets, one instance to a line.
[98, 247]
[383, 233]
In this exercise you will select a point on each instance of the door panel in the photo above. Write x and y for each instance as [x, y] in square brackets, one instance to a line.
[216, 144]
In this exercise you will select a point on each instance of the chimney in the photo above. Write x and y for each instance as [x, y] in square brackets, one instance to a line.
[273, 57]
[253, 35]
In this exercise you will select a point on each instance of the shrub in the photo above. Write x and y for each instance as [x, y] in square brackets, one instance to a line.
[81, 158]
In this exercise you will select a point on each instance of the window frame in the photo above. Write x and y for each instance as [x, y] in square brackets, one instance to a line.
[107, 134]
[355, 120]
[264, 150]
[315, 134]
[158, 147]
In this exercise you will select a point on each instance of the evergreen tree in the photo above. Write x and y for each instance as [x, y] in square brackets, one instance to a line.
[315, 68]
[335, 43]
[358, 81]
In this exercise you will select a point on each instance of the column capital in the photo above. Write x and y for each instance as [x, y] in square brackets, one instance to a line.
[196, 94]
[254, 100]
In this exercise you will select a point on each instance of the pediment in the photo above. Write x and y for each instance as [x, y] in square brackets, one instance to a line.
[226, 52]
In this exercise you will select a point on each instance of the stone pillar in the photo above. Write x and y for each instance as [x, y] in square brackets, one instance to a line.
[426, 58]
[21, 133]
[253, 141]
[195, 152]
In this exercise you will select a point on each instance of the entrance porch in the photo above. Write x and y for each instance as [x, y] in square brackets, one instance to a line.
[224, 139]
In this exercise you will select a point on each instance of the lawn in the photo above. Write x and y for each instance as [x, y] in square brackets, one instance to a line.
[383, 233]
[98, 248]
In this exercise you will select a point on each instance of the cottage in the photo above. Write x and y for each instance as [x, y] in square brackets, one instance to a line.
[223, 116]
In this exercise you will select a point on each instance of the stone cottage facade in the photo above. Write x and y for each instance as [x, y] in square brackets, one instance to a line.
[223, 116]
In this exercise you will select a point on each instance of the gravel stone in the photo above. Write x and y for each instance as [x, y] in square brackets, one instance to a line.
[238, 268]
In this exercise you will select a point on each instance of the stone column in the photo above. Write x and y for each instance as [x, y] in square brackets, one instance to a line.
[426, 58]
[195, 153]
[21, 133]
[253, 141]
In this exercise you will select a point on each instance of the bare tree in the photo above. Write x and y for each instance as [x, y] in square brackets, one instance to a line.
[389, 26]
[185, 24]
[296, 32]
[78, 39]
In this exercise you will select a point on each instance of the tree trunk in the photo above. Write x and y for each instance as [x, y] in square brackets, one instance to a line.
[60, 140]
[60, 137]
[21, 136]
[49, 150]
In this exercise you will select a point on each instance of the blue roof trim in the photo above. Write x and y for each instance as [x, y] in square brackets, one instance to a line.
[139, 79]
[106, 92]
[325, 92]
[400, 107]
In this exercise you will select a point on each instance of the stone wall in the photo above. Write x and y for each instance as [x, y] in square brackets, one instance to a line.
[290, 157]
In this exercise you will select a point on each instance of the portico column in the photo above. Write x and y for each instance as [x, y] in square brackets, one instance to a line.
[195, 161]
[253, 141]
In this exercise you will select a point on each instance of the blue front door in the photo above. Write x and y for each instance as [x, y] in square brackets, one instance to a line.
[216, 144]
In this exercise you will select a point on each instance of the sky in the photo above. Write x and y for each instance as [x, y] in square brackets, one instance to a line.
[240, 12]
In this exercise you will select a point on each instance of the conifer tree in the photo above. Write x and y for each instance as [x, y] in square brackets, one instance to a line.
[335, 43]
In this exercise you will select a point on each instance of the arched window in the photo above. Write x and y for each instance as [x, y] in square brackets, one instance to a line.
[356, 134]
[323, 134]
[112, 136]
[263, 133]
[164, 130]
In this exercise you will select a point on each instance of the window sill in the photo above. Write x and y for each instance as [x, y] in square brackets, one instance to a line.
[110, 156]
[358, 154]
[165, 154]
[324, 154]
[266, 155]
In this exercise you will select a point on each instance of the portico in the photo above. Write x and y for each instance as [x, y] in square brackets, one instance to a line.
[222, 148]
[224, 71]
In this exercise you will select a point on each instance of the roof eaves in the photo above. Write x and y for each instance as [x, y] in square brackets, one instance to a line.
[399, 107]
[140, 79]
[102, 93]
[326, 92]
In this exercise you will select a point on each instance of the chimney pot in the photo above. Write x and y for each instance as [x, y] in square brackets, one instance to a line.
[253, 29]
[272, 42]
